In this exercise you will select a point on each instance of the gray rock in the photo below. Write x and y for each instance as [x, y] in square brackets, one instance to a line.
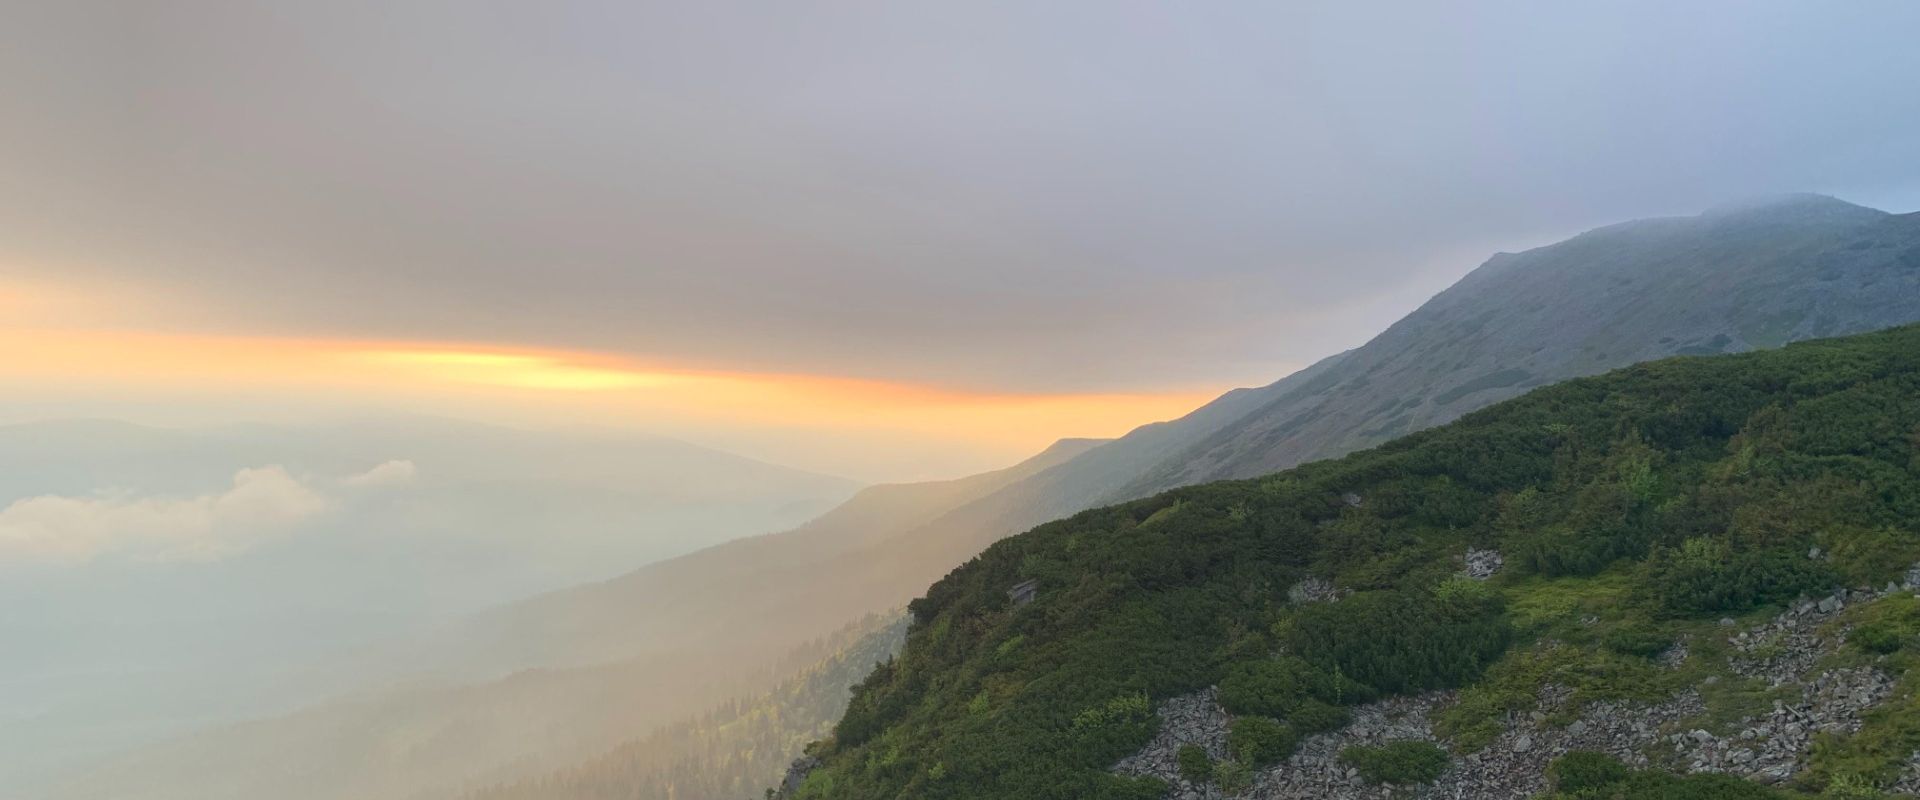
[1483, 564]
[1313, 590]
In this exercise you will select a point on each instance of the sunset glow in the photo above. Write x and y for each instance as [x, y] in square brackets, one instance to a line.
[473, 378]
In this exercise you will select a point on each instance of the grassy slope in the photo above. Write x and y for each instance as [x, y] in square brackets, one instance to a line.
[1679, 491]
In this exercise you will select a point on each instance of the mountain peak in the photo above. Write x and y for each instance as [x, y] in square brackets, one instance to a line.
[1792, 204]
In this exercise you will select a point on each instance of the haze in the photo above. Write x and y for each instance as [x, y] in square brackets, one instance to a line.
[324, 325]
[1138, 203]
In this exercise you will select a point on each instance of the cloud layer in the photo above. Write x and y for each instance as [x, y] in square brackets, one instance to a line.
[261, 502]
[1069, 196]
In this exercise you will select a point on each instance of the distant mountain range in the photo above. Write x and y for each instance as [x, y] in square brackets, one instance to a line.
[129, 646]
[1732, 279]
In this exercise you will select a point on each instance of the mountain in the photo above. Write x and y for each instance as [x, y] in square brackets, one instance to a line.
[1756, 275]
[736, 749]
[1734, 278]
[400, 524]
[761, 589]
[575, 673]
[1631, 585]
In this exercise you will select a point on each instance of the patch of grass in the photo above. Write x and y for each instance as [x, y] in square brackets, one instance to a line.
[1877, 755]
[1546, 605]
[1656, 785]
[1397, 762]
[1261, 741]
[1733, 698]
[1232, 776]
[1195, 765]
[1313, 716]
[1637, 638]
[1581, 770]
[1887, 625]
[1513, 684]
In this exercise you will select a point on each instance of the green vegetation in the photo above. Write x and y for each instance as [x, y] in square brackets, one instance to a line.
[1885, 633]
[1594, 776]
[1261, 741]
[1635, 508]
[1195, 765]
[1397, 762]
[1314, 717]
[1233, 776]
[1513, 687]
[1705, 576]
[1581, 770]
[1888, 625]
[1279, 687]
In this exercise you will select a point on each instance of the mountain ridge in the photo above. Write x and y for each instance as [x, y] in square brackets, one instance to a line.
[1329, 408]
[1650, 555]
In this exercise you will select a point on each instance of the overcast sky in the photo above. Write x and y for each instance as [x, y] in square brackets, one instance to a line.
[1049, 198]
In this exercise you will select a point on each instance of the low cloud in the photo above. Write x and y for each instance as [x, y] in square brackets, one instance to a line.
[261, 502]
[397, 472]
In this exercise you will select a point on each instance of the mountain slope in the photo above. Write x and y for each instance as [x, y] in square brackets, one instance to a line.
[1729, 279]
[600, 665]
[597, 622]
[1760, 275]
[1738, 273]
[734, 750]
[1633, 511]
[131, 644]
[1732, 279]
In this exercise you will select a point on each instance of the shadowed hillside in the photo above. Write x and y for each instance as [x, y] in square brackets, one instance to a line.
[1593, 569]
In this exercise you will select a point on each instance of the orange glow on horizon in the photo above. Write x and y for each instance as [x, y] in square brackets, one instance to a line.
[567, 384]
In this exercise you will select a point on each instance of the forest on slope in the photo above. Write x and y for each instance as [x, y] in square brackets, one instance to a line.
[737, 749]
[1652, 505]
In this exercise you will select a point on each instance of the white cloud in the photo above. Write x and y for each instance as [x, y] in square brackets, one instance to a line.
[392, 473]
[261, 502]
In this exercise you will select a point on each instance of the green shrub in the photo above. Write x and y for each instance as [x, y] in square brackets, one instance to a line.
[1232, 776]
[1871, 557]
[1261, 741]
[1886, 625]
[1512, 686]
[1276, 687]
[1397, 762]
[1876, 637]
[1411, 640]
[1582, 769]
[1706, 576]
[1195, 765]
[1656, 785]
[1851, 787]
[1313, 716]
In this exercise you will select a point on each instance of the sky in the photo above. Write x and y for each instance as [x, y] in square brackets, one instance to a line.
[883, 240]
